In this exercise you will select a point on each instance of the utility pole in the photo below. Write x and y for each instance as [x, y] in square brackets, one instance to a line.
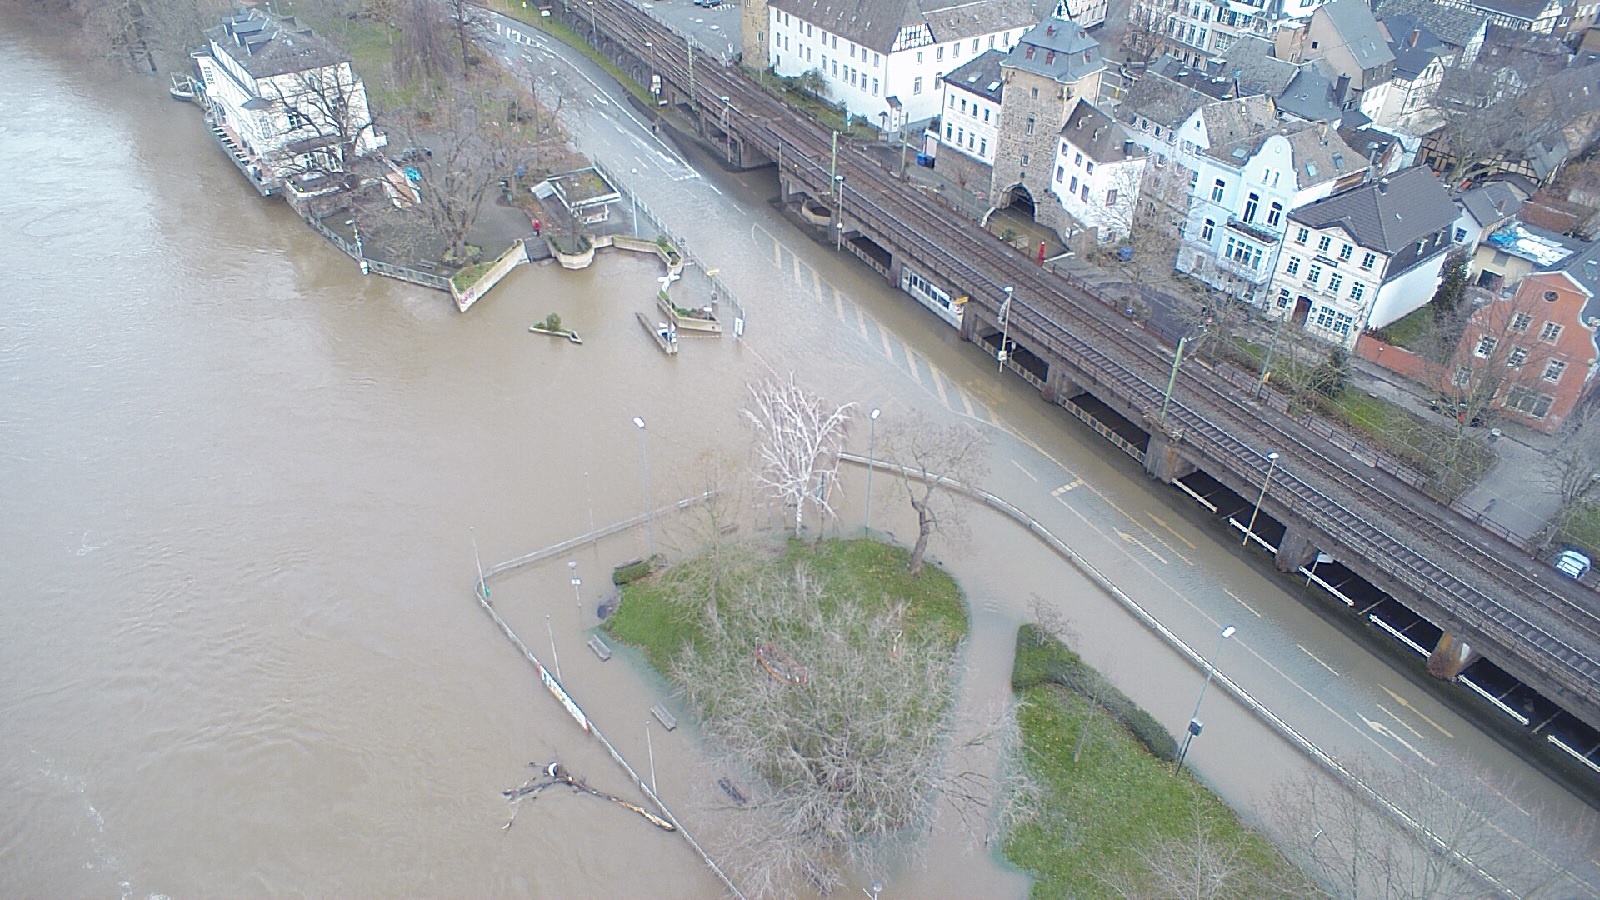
[833, 163]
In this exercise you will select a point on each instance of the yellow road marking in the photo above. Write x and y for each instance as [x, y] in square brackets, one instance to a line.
[1241, 602]
[1407, 704]
[1169, 528]
[1025, 471]
[1319, 662]
[1403, 724]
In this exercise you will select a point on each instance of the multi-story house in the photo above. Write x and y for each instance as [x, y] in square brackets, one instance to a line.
[1087, 13]
[1043, 76]
[1344, 34]
[1484, 209]
[1537, 16]
[1531, 355]
[1419, 64]
[1197, 30]
[284, 103]
[1364, 257]
[1097, 173]
[884, 60]
[971, 117]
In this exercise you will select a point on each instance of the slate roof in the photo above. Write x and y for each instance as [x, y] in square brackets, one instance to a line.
[1057, 49]
[1409, 62]
[1353, 20]
[1453, 26]
[1235, 128]
[981, 76]
[1320, 154]
[1164, 102]
[1310, 96]
[1095, 133]
[1250, 62]
[1491, 202]
[1403, 29]
[1387, 214]
[264, 48]
[876, 23]
[1521, 9]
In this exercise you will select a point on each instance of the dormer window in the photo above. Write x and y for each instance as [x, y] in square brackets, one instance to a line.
[1030, 51]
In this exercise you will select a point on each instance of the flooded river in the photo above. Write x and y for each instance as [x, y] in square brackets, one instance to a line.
[241, 486]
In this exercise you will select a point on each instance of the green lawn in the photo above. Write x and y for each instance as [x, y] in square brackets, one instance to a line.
[1100, 819]
[654, 616]
[1409, 331]
[1583, 530]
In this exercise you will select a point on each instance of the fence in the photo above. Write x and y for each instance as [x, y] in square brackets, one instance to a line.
[388, 270]
[719, 288]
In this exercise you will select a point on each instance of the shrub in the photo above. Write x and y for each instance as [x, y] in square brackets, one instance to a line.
[627, 573]
[1044, 659]
[552, 322]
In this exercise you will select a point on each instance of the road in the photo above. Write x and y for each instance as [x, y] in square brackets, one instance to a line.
[1154, 545]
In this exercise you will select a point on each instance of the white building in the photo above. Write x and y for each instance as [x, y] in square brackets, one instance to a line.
[1098, 172]
[1087, 13]
[884, 60]
[971, 114]
[1196, 30]
[284, 103]
[1364, 257]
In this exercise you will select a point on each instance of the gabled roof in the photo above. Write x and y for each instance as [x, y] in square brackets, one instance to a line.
[1310, 96]
[1095, 133]
[1520, 9]
[1164, 102]
[980, 76]
[1250, 63]
[1235, 128]
[953, 20]
[1353, 20]
[1409, 62]
[1057, 49]
[1387, 214]
[1411, 33]
[1491, 202]
[1455, 27]
[1321, 155]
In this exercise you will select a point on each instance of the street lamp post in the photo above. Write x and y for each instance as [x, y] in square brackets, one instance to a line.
[1194, 717]
[1172, 379]
[633, 194]
[1005, 328]
[1272, 463]
[872, 438]
[726, 137]
[644, 466]
[838, 214]
[577, 585]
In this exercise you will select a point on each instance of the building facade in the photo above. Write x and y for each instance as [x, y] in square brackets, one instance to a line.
[973, 95]
[1196, 30]
[1098, 173]
[1364, 257]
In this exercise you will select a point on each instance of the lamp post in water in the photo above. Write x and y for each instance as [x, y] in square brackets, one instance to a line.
[872, 439]
[1194, 717]
[1272, 463]
[1005, 328]
[644, 466]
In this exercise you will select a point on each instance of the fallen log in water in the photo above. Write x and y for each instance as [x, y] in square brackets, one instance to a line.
[554, 774]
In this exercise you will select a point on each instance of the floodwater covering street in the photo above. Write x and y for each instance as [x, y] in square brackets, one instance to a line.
[241, 486]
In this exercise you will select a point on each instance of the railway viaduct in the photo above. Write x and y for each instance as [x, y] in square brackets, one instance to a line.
[1484, 594]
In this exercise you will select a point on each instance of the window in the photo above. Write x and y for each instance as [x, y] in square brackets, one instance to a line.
[1517, 357]
[1301, 235]
[1332, 321]
[1077, 159]
[1520, 322]
[1243, 254]
[874, 60]
[919, 57]
[1030, 125]
[1345, 252]
[1085, 193]
[983, 147]
[1111, 198]
[1059, 172]
[1485, 347]
[1274, 215]
[1088, 167]
[1217, 189]
[1461, 235]
[1323, 243]
[1314, 275]
[1526, 401]
[1369, 260]
[875, 93]
[916, 85]
[1357, 291]
[952, 103]
[1550, 332]
[1250, 206]
[1033, 92]
[938, 54]
[1294, 266]
[1283, 298]
[1334, 282]
[985, 109]
[836, 42]
[1553, 370]
[1024, 159]
[975, 45]
[949, 131]
[1207, 229]
[1072, 187]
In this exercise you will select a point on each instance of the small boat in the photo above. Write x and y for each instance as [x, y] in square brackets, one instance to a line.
[182, 88]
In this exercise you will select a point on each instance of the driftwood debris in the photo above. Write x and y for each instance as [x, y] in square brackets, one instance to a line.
[553, 774]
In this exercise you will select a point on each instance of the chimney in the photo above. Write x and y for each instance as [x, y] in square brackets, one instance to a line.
[1050, 30]
[1383, 185]
[1322, 132]
[1416, 35]
[1341, 87]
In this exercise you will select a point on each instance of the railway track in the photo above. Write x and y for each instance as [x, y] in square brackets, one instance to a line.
[1489, 586]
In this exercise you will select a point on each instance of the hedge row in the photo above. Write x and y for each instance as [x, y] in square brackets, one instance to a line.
[1042, 658]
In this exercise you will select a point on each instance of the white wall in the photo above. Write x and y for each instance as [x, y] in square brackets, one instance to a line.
[970, 130]
[1406, 293]
[1083, 193]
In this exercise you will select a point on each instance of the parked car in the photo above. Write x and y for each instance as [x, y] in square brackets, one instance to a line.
[1572, 563]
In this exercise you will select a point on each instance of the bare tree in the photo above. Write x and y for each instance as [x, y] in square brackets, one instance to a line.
[329, 122]
[798, 438]
[422, 55]
[1203, 864]
[1443, 831]
[934, 453]
[1576, 464]
[844, 715]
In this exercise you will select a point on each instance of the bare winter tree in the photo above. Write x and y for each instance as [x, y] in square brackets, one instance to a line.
[936, 453]
[1576, 464]
[1444, 831]
[847, 722]
[329, 122]
[144, 36]
[423, 52]
[798, 438]
[1203, 864]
